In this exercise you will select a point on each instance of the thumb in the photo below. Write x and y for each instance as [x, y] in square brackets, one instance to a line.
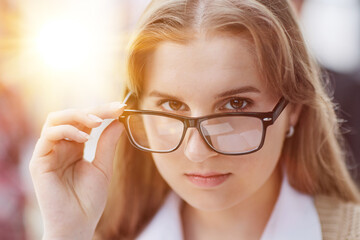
[105, 150]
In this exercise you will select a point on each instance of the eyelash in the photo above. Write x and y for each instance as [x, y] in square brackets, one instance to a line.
[249, 103]
[161, 102]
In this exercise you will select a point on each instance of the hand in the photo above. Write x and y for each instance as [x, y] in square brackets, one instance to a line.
[71, 191]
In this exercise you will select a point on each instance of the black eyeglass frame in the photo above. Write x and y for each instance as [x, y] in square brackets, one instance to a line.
[267, 119]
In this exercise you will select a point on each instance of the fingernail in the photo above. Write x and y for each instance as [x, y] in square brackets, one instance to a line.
[84, 135]
[95, 118]
[117, 105]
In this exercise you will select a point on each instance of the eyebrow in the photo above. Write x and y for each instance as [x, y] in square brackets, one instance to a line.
[163, 95]
[239, 90]
[223, 94]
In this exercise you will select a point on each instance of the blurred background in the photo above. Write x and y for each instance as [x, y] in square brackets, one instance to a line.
[58, 54]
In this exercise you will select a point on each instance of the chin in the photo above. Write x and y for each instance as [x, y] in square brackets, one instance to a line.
[210, 200]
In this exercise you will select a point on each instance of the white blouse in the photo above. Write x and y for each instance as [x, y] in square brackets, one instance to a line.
[294, 217]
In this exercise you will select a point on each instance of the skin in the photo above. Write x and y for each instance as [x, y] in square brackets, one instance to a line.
[247, 197]
[298, 4]
[72, 191]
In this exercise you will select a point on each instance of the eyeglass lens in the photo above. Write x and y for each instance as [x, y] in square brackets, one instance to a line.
[229, 134]
[233, 134]
[154, 132]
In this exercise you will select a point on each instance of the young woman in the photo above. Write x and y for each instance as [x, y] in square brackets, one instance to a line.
[230, 135]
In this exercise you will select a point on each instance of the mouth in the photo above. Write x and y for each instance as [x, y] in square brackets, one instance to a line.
[207, 180]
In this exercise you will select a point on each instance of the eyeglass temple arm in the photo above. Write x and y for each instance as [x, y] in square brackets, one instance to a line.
[127, 97]
[279, 108]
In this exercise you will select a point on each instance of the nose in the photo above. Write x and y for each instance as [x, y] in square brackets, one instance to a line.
[196, 149]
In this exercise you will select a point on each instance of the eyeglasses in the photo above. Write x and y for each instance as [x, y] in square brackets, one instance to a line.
[225, 133]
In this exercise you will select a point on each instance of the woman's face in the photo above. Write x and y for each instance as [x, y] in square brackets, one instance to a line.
[198, 79]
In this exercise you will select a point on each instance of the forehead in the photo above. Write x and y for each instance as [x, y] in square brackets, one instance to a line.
[208, 65]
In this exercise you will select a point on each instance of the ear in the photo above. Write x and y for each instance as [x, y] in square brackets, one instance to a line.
[295, 111]
[298, 5]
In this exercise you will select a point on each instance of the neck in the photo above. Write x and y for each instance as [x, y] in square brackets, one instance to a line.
[246, 220]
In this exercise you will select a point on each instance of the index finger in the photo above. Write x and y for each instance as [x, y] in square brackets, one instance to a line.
[108, 110]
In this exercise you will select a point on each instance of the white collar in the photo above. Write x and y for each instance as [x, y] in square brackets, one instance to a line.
[294, 217]
[166, 224]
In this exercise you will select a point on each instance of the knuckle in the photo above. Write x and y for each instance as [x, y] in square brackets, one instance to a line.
[46, 133]
[68, 131]
[32, 167]
[70, 128]
[51, 116]
[63, 133]
[75, 114]
[70, 111]
[80, 115]
[56, 132]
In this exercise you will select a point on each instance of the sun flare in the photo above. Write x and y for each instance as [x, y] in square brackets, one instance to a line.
[65, 45]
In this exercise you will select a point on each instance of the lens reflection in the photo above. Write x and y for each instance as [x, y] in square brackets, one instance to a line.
[233, 134]
[153, 132]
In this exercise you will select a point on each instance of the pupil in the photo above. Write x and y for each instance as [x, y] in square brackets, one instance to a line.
[174, 105]
[236, 103]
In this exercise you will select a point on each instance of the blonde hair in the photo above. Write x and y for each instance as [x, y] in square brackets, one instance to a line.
[313, 157]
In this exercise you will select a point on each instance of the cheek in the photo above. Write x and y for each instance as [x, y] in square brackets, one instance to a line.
[259, 166]
[253, 170]
[268, 156]
[275, 137]
[168, 166]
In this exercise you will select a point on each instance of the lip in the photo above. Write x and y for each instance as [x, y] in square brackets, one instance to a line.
[207, 180]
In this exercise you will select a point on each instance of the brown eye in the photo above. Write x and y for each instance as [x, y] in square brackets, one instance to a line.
[174, 105]
[237, 103]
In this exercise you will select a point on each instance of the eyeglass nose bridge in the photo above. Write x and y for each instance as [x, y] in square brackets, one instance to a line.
[195, 123]
[191, 123]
